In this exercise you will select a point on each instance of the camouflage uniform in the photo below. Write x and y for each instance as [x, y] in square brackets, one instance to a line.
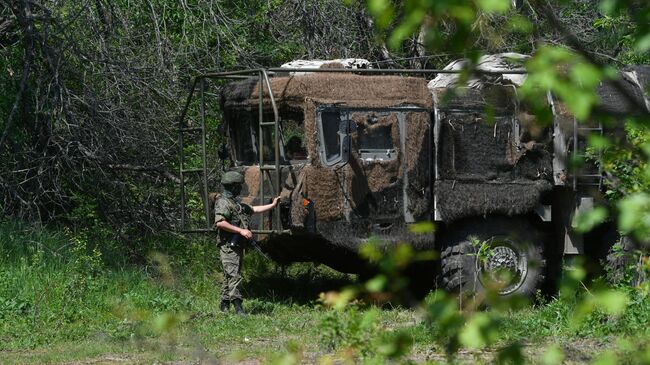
[229, 208]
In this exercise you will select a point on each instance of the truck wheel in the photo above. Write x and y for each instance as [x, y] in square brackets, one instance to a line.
[500, 253]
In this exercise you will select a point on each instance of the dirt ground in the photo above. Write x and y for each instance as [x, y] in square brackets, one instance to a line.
[575, 352]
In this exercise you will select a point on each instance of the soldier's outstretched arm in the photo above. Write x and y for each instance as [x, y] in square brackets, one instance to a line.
[264, 208]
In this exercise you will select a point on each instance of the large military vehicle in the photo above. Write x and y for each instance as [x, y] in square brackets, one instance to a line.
[359, 153]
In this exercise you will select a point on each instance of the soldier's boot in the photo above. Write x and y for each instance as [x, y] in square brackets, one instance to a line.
[238, 306]
[225, 305]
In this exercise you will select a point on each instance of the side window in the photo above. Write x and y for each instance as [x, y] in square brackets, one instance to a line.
[293, 133]
[374, 142]
[244, 134]
[331, 146]
[243, 144]
[334, 128]
[269, 140]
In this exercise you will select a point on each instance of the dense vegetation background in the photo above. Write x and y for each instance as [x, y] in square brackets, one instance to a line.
[91, 89]
[89, 95]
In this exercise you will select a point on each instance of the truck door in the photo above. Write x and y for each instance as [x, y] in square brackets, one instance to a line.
[386, 162]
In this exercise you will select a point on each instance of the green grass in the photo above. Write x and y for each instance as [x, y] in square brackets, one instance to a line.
[62, 300]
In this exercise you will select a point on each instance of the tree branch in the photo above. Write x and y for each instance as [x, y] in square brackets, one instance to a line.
[574, 42]
[157, 169]
[23, 17]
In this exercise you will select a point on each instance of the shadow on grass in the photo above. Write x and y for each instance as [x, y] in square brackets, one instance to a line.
[267, 283]
[298, 283]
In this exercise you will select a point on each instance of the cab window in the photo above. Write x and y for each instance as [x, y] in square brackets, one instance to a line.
[294, 141]
[374, 142]
[244, 137]
[241, 135]
[330, 121]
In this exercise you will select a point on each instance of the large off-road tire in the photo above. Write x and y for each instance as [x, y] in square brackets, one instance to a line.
[505, 254]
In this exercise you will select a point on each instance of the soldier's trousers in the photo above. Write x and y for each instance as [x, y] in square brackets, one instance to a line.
[231, 260]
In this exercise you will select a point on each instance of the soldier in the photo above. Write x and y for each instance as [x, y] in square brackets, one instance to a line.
[232, 219]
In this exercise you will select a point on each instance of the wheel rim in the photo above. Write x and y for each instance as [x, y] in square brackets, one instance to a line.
[502, 264]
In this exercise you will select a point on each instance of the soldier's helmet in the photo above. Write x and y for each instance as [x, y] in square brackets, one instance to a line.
[232, 177]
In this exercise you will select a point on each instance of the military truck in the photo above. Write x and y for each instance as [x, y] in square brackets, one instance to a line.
[360, 153]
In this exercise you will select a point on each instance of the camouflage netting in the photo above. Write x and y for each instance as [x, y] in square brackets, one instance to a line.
[290, 92]
[484, 167]
[472, 149]
[495, 99]
[364, 188]
[366, 180]
[460, 199]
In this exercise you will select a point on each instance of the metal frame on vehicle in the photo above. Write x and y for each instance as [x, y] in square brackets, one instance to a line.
[263, 75]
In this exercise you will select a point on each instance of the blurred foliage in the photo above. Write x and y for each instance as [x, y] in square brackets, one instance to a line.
[458, 328]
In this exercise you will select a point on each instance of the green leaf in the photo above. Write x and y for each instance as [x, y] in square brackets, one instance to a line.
[369, 319]
[403, 254]
[166, 322]
[553, 355]
[370, 251]
[608, 7]
[645, 147]
[606, 358]
[612, 302]
[586, 75]
[634, 216]
[376, 284]
[598, 142]
[585, 221]
[407, 28]
[343, 298]
[520, 24]
[480, 331]
[382, 11]
[494, 6]
[422, 227]
[464, 14]
[642, 43]
[580, 102]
